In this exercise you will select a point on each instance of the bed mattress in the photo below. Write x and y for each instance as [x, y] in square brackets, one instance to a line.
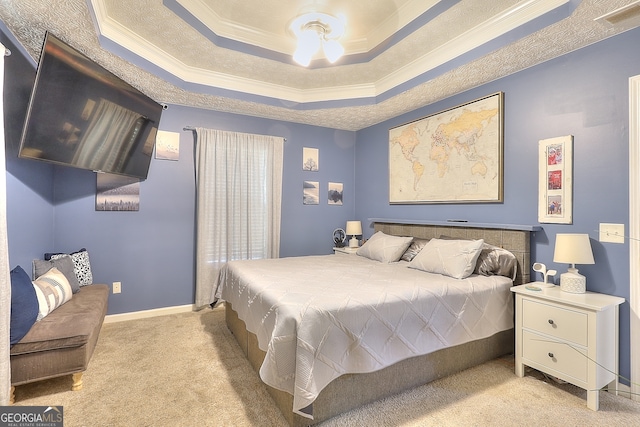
[319, 317]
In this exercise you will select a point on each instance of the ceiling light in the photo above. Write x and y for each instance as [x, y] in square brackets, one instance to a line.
[314, 30]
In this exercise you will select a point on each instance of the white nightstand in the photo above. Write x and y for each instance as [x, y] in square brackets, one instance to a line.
[573, 337]
[345, 251]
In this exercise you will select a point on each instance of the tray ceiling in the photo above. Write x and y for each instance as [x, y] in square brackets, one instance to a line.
[235, 56]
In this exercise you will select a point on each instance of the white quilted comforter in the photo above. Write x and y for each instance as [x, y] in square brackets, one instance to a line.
[319, 317]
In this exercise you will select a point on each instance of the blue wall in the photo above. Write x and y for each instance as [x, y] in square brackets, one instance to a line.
[584, 94]
[30, 210]
[152, 251]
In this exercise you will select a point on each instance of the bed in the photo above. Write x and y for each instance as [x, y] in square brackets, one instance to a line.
[331, 333]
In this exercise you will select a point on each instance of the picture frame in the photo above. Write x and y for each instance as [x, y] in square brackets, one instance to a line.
[334, 193]
[310, 159]
[310, 193]
[116, 193]
[167, 145]
[555, 180]
[453, 156]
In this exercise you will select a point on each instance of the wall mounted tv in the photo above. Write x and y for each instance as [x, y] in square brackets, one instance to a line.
[83, 116]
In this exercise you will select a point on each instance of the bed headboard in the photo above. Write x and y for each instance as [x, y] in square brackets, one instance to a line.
[517, 242]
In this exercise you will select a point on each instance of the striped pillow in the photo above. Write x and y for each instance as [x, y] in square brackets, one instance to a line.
[52, 290]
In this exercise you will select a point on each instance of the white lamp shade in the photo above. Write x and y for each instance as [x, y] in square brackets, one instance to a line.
[573, 249]
[354, 228]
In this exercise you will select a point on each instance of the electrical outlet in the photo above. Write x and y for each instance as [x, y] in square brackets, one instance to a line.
[117, 287]
[611, 233]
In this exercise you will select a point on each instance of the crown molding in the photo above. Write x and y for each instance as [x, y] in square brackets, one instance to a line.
[201, 11]
[477, 36]
[501, 24]
[402, 17]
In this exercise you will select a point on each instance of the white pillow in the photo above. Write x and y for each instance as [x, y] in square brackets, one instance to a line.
[53, 290]
[384, 248]
[454, 258]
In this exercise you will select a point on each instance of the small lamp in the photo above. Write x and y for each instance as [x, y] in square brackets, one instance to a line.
[354, 228]
[573, 249]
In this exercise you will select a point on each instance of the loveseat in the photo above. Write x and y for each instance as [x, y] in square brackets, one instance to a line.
[61, 343]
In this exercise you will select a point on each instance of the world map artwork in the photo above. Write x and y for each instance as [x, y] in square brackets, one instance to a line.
[453, 156]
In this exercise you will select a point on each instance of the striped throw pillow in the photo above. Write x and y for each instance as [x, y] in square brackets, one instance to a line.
[52, 290]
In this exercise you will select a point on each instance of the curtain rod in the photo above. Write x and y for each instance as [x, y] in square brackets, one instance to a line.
[193, 128]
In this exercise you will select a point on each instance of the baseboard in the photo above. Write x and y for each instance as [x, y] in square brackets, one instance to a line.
[624, 391]
[113, 318]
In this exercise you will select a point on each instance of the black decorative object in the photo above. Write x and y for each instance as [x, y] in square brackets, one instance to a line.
[339, 237]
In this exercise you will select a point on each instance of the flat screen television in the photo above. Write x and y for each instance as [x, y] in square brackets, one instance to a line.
[82, 115]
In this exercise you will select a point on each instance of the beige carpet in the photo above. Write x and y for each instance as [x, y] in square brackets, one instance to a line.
[187, 370]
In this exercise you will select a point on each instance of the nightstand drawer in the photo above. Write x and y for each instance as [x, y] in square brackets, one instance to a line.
[554, 321]
[557, 356]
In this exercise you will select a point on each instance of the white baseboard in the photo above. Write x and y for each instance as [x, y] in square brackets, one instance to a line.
[624, 391]
[113, 318]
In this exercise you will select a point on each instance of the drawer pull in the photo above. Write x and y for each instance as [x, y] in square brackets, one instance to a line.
[551, 321]
[551, 355]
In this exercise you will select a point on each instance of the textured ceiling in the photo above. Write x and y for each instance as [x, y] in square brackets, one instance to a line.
[229, 56]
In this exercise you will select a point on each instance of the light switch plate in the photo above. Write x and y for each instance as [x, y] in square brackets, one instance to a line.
[611, 233]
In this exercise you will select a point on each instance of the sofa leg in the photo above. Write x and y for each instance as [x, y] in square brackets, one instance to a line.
[12, 395]
[77, 381]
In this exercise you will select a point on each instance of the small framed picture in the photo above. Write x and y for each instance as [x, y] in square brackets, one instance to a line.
[334, 196]
[555, 188]
[117, 193]
[310, 159]
[167, 145]
[310, 193]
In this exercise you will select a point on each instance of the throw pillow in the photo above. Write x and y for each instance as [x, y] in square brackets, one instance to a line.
[496, 261]
[64, 264]
[82, 266]
[454, 258]
[414, 248]
[24, 305]
[384, 248]
[52, 290]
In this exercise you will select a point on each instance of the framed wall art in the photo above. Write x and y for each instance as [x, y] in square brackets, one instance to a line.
[167, 145]
[310, 161]
[454, 156]
[117, 193]
[334, 196]
[310, 193]
[555, 188]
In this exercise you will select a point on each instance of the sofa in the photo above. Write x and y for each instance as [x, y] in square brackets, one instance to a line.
[61, 343]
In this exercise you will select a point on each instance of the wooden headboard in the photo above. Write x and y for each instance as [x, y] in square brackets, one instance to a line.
[517, 242]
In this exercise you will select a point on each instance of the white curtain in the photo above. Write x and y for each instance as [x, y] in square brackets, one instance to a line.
[239, 193]
[5, 283]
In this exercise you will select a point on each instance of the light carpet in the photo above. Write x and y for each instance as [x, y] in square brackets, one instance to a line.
[187, 370]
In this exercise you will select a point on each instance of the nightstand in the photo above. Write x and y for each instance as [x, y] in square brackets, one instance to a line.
[573, 337]
[345, 251]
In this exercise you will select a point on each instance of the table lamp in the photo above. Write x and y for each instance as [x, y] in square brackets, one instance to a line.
[354, 228]
[573, 249]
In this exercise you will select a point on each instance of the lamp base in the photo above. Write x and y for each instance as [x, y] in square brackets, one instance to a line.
[573, 282]
[353, 242]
